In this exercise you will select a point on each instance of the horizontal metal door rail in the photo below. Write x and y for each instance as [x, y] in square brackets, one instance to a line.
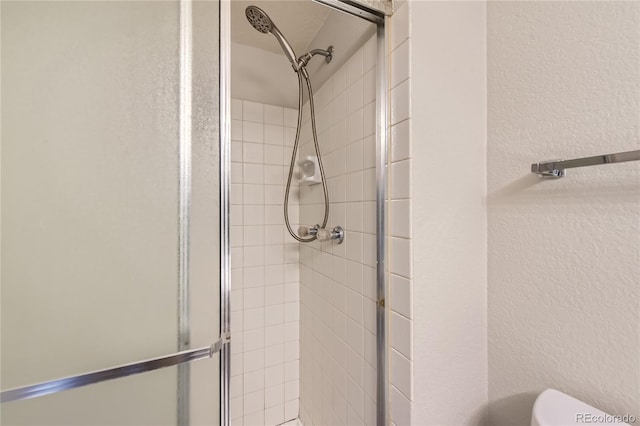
[66, 383]
[357, 9]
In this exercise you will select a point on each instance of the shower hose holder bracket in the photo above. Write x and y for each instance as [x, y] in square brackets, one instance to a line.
[336, 233]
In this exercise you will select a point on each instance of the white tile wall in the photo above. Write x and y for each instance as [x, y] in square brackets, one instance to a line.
[337, 311]
[316, 340]
[265, 273]
[401, 256]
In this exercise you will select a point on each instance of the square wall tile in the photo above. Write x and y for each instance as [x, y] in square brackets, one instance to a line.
[354, 188]
[274, 115]
[291, 409]
[400, 102]
[290, 117]
[253, 318]
[236, 152]
[253, 361]
[400, 218]
[273, 134]
[400, 408]
[235, 406]
[252, 111]
[401, 257]
[274, 395]
[401, 335]
[253, 153]
[253, 339]
[236, 109]
[355, 96]
[354, 67]
[236, 130]
[252, 132]
[354, 156]
[369, 119]
[274, 416]
[254, 419]
[401, 180]
[274, 355]
[275, 374]
[400, 28]
[253, 402]
[401, 374]
[355, 126]
[369, 54]
[400, 289]
[401, 141]
[253, 298]
[253, 173]
[369, 86]
[339, 81]
[400, 62]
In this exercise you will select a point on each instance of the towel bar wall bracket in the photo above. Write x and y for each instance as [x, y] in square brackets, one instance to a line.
[541, 170]
[555, 169]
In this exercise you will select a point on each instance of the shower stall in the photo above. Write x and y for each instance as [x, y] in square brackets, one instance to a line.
[193, 212]
[304, 295]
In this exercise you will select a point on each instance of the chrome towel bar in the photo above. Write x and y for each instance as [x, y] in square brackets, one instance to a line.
[555, 169]
[58, 385]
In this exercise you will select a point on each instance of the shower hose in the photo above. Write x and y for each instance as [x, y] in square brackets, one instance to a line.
[302, 73]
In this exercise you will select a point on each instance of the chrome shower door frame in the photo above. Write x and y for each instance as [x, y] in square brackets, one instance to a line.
[382, 167]
[225, 203]
[380, 19]
[382, 146]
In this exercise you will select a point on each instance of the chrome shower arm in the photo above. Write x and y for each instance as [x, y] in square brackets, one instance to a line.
[303, 60]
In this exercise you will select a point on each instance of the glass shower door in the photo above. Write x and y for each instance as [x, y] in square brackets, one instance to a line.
[110, 208]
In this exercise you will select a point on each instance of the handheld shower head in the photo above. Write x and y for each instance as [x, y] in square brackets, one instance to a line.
[258, 19]
[261, 22]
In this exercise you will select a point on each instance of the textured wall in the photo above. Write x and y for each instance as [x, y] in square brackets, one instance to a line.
[448, 151]
[564, 266]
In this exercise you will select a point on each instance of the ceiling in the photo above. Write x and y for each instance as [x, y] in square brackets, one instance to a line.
[298, 20]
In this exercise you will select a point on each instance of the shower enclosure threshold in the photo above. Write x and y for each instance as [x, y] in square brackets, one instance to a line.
[294, 422]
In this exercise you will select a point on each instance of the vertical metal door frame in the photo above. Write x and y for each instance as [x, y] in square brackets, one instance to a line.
[382, 150]
[225, 224]
[184, 214]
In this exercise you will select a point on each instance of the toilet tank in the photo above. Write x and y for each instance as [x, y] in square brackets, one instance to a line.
[554, 408]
